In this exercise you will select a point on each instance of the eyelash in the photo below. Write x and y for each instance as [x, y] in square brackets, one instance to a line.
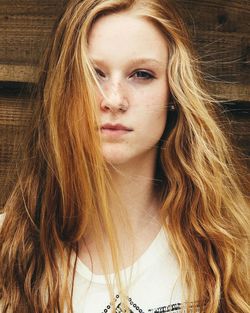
[149, 76]
[99, 73]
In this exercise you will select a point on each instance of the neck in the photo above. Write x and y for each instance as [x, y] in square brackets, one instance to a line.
[137, 196]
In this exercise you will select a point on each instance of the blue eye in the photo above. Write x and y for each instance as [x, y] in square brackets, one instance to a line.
[143, 75]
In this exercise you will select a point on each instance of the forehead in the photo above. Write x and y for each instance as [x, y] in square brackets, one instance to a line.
[121, 36]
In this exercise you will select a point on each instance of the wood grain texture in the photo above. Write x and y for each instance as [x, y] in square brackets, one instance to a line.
[218, 15]
[18, 73]
[25, 26]
[220, 30]
[15, 115]
[238, 126]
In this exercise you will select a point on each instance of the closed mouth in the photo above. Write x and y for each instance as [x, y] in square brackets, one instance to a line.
[115, 127]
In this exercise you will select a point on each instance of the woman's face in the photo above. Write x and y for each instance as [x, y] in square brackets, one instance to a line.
[130, 57]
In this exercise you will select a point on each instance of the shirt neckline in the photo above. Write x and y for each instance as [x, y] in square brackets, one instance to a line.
[155, 249]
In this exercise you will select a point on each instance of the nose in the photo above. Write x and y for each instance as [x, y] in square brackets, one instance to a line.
[114, 99]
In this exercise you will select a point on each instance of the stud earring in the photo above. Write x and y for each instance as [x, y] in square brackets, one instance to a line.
[171, 107]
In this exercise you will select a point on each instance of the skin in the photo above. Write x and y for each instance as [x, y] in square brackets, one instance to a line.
[135, 94]
[138, 87]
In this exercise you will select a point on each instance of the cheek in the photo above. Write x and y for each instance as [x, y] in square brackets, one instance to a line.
[152, 122]
[154, 96]
[156, 107]
[159, 120]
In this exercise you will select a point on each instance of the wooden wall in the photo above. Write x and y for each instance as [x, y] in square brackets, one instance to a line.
[220, 30]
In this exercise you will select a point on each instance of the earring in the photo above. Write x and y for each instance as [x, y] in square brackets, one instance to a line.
[171, 107]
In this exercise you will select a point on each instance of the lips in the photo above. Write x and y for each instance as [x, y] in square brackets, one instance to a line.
[115, 129]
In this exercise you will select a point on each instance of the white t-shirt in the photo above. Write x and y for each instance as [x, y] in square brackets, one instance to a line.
[155, 285]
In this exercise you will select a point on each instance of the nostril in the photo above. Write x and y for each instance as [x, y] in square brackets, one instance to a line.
[105, 107]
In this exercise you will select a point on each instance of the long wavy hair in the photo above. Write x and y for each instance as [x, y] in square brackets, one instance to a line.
[63, 188]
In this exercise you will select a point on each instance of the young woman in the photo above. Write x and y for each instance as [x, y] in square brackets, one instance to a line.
[128, 200]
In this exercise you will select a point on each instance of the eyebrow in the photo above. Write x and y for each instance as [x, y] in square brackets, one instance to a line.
[133, 62]
[145, 61]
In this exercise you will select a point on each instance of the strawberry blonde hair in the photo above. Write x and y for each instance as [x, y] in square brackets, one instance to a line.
[62, 191]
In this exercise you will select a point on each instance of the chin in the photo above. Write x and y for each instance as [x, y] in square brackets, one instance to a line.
[115, 161]
[115, 155]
